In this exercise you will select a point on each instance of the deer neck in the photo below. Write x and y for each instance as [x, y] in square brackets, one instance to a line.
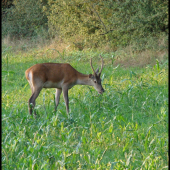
[83, 79]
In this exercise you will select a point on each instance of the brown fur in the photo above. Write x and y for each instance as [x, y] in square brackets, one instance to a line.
[54, 72]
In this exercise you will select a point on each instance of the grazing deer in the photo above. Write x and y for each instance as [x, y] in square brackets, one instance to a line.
[62, 77]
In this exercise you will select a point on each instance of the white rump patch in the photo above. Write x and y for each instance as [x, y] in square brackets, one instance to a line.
[30, 81]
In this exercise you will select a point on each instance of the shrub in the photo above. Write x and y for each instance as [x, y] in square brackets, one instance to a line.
[24, 18]
[101, 22]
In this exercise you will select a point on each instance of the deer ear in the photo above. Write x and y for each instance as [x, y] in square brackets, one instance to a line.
[97, 70]
[91, 76]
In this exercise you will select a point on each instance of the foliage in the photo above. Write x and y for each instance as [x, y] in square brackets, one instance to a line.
[92, 23]
[125, 128]
[89, 24]
[6, 4]
[24, 18]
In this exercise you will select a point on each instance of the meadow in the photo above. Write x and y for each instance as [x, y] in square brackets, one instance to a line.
[124, 128]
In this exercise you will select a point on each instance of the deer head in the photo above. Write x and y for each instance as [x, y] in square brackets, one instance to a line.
[95, 77]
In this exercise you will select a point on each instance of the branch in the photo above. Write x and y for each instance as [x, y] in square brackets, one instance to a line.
[101, 21]
[106, 32]
[99, 18]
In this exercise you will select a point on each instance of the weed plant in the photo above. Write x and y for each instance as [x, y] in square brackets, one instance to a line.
[125, 128]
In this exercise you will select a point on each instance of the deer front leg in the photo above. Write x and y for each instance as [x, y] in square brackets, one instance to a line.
[65, 94]
[57, 97]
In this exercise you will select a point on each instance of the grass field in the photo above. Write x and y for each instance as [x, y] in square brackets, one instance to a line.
[125, 128]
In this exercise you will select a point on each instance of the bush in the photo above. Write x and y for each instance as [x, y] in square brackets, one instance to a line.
[99, 22]
[24, 18]
[88, 24]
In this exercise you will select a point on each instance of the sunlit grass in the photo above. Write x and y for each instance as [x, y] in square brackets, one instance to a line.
[126, 127]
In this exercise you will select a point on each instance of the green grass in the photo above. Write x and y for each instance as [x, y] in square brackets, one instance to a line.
[125, 128]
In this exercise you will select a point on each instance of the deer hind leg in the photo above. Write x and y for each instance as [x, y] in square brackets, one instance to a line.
[31, 102]
[36, 87]
[57, 97]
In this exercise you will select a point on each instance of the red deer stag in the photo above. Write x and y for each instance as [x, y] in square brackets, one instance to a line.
[62, 77]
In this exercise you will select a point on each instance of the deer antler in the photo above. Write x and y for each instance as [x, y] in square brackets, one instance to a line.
[92, 67]
[101, 65]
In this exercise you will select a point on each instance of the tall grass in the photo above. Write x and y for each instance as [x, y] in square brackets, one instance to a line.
[125, 128]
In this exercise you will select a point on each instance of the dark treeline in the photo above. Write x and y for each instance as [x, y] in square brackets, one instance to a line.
[88, 23]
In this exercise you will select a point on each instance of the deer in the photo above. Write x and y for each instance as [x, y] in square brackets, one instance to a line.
[61, 76]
